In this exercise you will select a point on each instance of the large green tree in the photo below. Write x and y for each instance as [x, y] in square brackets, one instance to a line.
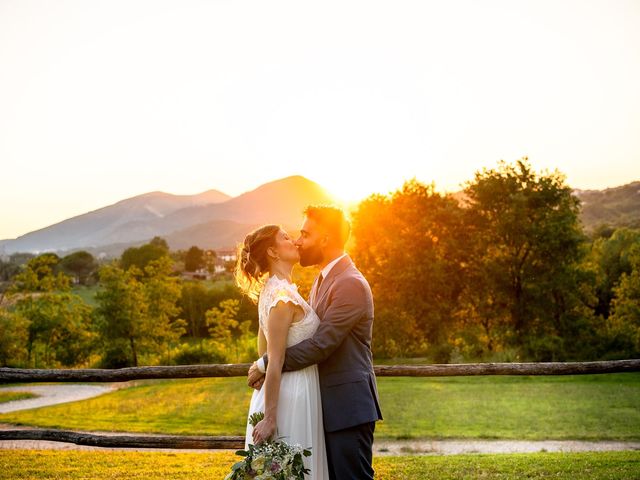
[58, 322]
[410, 246]
[528, 246]
[59, 328]
[81, 265]
[120, 315]
[136, 311]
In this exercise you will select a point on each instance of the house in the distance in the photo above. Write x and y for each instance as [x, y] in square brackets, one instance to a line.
[225, 260]
[216, 262]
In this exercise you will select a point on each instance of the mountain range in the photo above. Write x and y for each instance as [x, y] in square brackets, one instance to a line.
[210, 220]
[213, 219]
[615, 207]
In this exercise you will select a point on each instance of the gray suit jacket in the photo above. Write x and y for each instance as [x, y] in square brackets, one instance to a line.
[342, 349]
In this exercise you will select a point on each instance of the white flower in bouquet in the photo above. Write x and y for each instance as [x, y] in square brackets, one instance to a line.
[257, 463]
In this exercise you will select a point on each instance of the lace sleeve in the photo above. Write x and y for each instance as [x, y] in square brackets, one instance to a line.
[274, 292]
[283, 292]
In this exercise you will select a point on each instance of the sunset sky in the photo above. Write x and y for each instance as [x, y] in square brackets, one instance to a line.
[105, 100]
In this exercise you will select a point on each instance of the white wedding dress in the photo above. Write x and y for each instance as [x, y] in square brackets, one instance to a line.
[299, 405]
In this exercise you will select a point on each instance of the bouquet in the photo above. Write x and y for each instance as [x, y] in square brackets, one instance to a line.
[270, 460]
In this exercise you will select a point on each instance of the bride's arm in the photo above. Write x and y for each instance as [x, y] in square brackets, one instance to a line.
[278, 323]
[262, 342]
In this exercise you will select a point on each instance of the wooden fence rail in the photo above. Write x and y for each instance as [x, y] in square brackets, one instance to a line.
[13, 375]
[125, 441]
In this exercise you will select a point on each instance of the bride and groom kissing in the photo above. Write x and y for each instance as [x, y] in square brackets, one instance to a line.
[315, 381]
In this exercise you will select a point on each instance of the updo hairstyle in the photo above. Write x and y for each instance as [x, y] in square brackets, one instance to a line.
[252, 260]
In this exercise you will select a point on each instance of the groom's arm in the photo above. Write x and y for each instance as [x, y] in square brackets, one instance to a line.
[348, 305]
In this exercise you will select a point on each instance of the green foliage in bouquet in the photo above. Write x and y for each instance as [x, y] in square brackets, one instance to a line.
[270, 460]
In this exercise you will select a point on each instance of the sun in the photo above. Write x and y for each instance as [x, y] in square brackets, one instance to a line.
[349, 189]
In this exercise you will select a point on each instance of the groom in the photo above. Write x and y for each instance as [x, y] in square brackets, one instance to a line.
[341, 346]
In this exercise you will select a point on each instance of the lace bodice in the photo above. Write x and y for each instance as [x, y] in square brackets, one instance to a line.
[279, 290]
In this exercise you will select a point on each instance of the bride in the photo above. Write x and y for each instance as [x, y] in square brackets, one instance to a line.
[290, 400]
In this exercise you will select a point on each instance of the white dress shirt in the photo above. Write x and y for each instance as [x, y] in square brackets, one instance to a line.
[325, 271]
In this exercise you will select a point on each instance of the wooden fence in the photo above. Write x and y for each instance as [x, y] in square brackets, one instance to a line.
[13, 375]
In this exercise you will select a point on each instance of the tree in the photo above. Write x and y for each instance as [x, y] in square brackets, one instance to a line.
[196, 299]
[138, 309]
[80, 264]
[162, 292]
[610, 258]
[121, 313]
[222, 321]
[8, 270]
[140, 257]
[20, 258]
[60, 324]
[529, 245]
[194, 259]
[160, 243]
[57, 321]
[193, 303]
[224, 327]
[40, 275]
[624, 321]
[409, 246]
[13, 338]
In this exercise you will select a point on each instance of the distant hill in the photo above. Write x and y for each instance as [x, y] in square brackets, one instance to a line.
[221, 234]
[613, 207]
[110, 224]
[616, 207]
[210, 219]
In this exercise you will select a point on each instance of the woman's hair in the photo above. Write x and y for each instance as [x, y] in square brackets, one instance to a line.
[252, 260]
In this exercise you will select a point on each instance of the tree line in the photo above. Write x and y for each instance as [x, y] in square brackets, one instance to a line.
[139, 311]
[502, 271]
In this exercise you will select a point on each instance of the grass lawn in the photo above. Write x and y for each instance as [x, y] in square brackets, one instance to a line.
[11, 396]
[588, 407]
[88, 294]
[43, 464]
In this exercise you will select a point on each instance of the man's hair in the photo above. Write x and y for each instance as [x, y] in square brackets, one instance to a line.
[333, 220]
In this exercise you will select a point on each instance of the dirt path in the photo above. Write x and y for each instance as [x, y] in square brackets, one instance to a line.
[381, 447]
[51, 395]
[455, 447]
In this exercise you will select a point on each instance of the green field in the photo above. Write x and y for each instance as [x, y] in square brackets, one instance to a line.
[11, 396]
[41, 464]
[88, 294]
[588, 407]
